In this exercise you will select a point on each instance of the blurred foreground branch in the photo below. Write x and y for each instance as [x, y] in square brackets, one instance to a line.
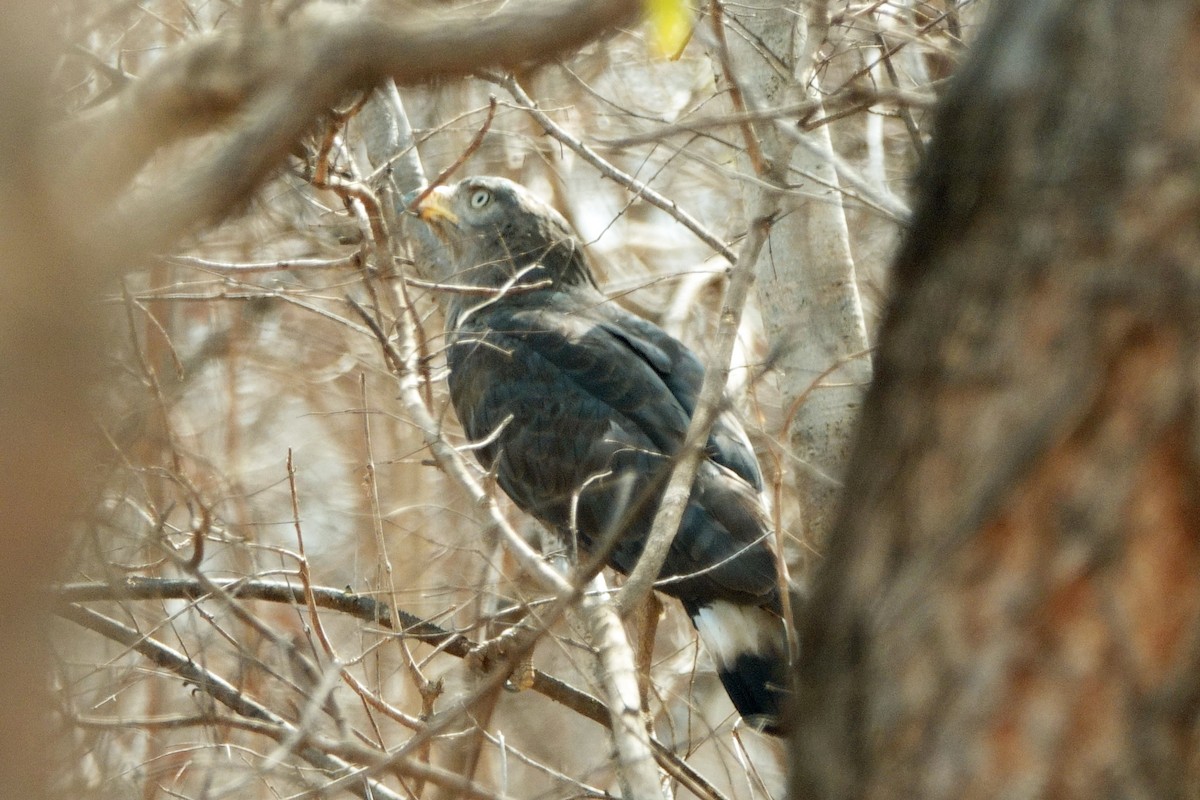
[272, 84]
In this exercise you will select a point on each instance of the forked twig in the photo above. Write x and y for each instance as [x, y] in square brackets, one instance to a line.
[373, 611]
[462, 157]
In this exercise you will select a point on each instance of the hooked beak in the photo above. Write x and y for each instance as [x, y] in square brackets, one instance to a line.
[435, 207]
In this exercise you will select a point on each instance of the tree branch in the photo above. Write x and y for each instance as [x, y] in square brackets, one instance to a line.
[219, 689]
[608, 170]
[371, 610]
[278, 82]
[708, 406]
[618, 675]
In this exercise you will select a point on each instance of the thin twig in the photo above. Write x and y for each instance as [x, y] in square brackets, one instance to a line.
[852, 100]
[753, 147]
[708, 404]
[870, 195]
[370, 610]
[305, 576]
[219, 689]
[476, 142]
[484, 291]
[914, 132]
[607, 169]
[352, 261]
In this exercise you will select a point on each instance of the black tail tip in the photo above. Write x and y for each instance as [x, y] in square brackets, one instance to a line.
[756, 683]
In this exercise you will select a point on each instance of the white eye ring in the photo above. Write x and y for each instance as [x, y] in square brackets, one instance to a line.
[480, 198]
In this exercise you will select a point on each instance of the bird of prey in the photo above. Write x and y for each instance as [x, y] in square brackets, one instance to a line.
[578, 406]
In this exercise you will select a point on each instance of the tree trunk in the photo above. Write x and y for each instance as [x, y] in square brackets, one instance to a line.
[807, 285]
[47, 322]
[1010, 606]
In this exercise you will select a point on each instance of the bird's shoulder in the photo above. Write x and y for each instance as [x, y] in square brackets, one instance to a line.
[582, 342]
[570, 353]
[575, 330]
[590, 323]
[683, 374]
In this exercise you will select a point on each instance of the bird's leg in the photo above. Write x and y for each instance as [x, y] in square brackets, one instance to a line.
[515, 639]
[523, 673]
[497, 652]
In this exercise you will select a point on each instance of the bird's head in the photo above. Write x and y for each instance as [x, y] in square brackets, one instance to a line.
[498, 231]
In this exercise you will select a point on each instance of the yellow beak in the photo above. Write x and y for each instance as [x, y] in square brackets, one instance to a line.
[436, 206]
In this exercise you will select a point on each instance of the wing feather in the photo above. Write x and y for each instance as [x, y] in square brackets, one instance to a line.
[594, 411]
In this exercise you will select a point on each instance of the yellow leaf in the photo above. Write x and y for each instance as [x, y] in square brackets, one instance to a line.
[670, 24]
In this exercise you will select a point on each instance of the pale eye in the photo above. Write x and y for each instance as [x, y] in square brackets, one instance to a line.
[480, 198]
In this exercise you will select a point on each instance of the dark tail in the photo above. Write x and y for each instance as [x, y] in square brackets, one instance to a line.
[749, 646]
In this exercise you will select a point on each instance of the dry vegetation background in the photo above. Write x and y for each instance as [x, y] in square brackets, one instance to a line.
[254, 445]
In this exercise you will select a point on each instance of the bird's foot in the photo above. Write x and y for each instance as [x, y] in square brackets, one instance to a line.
[511, 650]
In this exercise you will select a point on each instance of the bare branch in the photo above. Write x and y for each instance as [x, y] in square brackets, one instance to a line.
[849, 101]
[219, 689]
[607, 169]
[462, 157]
[708, 406]
[618, 676]
[278, 84]
[370, 610]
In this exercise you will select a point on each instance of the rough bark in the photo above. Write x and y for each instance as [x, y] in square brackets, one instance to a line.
[1010, 606]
